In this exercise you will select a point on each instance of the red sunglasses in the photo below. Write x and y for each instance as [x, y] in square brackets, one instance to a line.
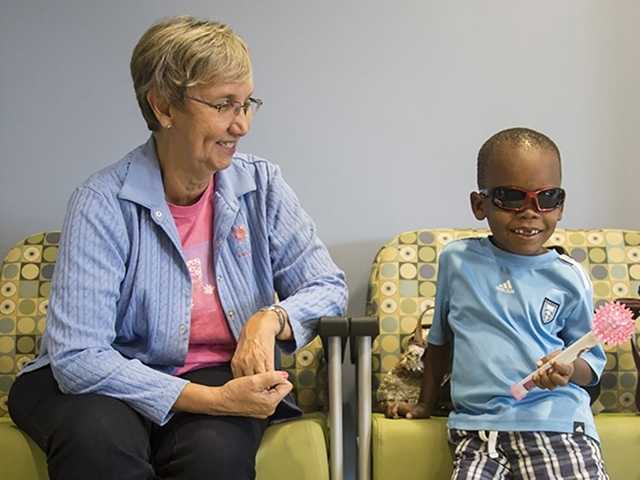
[516, 199]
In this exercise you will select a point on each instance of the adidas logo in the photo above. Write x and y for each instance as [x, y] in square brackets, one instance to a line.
[505, 287]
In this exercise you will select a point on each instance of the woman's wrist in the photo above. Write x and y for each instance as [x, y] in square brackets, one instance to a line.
[196, 398]
[282, 329]
[280, 315]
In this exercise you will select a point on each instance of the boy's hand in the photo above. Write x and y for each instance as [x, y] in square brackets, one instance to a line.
[558, 374]
[406, 410]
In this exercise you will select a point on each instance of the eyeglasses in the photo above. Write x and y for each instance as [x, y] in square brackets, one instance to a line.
[230, 109]
[515, 199]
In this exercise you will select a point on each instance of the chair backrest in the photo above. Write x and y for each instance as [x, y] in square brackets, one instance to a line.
[403, 284]
[308, 374]
[25, 283]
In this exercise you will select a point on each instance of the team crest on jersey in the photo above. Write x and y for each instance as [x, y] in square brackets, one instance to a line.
[549, 310]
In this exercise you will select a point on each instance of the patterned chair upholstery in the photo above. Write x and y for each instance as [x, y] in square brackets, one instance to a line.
[403, 284]
[25, 283]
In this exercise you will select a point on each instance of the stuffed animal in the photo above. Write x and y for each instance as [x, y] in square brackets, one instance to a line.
[403, 382]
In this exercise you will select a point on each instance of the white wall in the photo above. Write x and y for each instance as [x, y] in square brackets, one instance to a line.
[374, 109]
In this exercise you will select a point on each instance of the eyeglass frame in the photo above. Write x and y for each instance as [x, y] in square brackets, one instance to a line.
[244, 107]
[529, 194]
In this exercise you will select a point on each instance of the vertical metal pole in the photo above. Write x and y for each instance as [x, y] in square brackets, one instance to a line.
[336, 461]
[364, 407]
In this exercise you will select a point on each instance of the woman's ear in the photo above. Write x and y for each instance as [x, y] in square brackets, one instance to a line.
[161, 108]
[477, 206]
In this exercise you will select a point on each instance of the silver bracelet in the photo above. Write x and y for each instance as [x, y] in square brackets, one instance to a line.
[281, 313]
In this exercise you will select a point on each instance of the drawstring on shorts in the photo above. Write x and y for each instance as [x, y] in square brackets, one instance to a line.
[492, 439]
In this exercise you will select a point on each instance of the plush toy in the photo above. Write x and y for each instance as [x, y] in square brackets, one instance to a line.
[403, 382]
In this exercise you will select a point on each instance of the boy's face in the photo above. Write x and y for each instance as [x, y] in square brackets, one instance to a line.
[526, 168]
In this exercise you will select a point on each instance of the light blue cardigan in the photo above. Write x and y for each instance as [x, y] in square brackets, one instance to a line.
[119, 311]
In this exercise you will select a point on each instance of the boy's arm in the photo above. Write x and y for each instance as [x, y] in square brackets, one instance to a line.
[587, 368]
[436, 365]
[582, 373]
[579, 372]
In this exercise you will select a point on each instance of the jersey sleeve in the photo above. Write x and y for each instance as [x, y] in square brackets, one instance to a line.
[579, 322]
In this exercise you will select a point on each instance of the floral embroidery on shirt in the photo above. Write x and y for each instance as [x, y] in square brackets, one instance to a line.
[240, 233]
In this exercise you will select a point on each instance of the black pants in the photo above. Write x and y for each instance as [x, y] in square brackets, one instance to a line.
[98, 437]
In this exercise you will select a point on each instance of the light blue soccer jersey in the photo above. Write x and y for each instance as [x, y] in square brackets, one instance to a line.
[503, 312]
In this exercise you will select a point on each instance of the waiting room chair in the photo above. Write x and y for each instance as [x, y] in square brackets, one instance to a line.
[403, 283]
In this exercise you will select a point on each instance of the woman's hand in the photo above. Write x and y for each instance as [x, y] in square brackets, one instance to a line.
[407, 410]
[251, 396]
[254, 396]
[256, 345]
[558, 374]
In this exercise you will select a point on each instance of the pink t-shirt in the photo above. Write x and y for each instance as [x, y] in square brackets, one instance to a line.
[210, 339]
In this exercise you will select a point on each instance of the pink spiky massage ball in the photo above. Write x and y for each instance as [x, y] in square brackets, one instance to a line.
[613, 323]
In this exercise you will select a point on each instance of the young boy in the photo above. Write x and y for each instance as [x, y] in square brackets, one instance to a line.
[504, 305]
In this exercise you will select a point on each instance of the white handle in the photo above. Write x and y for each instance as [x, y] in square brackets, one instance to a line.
[568, 355]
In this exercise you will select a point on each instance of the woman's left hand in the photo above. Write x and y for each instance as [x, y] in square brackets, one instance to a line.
[256, 345]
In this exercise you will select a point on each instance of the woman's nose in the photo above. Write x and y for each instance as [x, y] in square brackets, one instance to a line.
[240, 124]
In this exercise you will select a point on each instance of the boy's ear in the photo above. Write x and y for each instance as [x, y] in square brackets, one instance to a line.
[477, 205]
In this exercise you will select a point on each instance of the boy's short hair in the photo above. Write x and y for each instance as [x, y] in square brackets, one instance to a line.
[518, 136]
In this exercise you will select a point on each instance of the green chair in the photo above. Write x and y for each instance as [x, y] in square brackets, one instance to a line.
[296, 449]
[403, 284]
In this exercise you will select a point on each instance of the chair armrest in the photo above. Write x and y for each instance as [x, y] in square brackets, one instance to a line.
[632, 304]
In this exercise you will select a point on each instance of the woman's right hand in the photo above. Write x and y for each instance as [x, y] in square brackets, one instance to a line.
[254, 395]
[407, 410]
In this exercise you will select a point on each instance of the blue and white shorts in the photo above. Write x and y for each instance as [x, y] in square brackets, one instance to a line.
[492, 455]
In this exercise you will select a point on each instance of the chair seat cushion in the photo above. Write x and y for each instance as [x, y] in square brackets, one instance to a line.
[418, 449]
[22, 459]
[620, 439]
[410, 449]
[295, 449]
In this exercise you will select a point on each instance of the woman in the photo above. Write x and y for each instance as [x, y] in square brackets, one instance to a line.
[158, 358]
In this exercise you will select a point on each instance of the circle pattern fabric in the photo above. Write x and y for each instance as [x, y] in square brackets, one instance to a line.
[24, 290]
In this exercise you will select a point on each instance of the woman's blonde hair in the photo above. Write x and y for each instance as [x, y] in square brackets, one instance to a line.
[181, 52]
